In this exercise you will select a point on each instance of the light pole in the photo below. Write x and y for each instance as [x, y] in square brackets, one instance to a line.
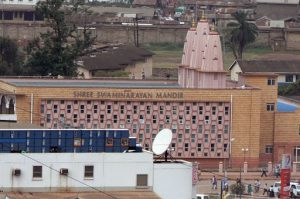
[230, 149]
[245, 150]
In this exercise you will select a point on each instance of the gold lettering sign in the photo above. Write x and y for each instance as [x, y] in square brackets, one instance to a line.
[128, 95]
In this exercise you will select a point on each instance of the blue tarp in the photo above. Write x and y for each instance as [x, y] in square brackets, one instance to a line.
[284, 107]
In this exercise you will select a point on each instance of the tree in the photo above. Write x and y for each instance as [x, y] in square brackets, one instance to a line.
[10, 57]
[241, 33]
[55, 52]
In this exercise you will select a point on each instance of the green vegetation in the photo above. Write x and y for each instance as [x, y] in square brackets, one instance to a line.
[164, 46]
[11, 57]
[290, 89]
[241, 33]
[237, 188]
[55, 52]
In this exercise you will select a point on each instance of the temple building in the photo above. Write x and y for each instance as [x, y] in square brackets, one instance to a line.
[212, 119]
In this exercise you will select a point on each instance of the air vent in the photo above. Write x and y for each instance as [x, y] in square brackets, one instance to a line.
[64, 171]
[17, 172]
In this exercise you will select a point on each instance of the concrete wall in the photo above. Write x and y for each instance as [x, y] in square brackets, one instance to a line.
[165, 175]
[111, 171]
[152, 34]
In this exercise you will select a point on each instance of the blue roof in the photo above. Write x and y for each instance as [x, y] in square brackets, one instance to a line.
[285, 107]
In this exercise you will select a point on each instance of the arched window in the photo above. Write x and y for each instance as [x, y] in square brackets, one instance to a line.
[3, 106]
[11, 107]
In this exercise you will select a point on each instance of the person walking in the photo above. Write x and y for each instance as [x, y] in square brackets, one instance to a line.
[214, 183]
[250, 190]
[265, 189]
[277, 171]
[263, 172]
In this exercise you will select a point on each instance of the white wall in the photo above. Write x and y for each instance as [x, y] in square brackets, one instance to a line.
[173, 181]
[23, 2]
[111, 170]
[279, 1]
[234, 76]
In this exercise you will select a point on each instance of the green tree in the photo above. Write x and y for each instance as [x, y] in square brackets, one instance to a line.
[238, 188]
[10, 58]
[242, 32]
[55, 52]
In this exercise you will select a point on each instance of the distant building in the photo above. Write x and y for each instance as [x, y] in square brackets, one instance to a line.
[137, 62]
[288, 71]
[145, 3]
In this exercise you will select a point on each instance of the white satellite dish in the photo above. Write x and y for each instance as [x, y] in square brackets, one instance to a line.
[162, 141]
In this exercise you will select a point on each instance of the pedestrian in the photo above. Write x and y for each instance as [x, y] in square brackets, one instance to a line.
[263, 172]
[277, 171]
[265, 189]
[214, 183]
[256, 186]
[250, 190]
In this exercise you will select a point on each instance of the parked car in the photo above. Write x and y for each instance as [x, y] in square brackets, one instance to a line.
[202, 196]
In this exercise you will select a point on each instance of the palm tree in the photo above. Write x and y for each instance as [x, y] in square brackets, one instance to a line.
[242, 33]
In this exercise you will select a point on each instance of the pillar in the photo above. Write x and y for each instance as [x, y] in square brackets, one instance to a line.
[245, 167]
[220, 167]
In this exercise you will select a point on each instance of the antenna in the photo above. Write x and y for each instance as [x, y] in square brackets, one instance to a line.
[162, 142]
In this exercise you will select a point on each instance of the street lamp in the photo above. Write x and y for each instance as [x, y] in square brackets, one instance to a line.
[245, 150]
[230, 149]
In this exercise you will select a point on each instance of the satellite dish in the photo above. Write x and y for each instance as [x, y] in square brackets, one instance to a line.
[162, 141]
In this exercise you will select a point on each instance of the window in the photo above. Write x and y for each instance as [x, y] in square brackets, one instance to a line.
[225, 147]
[62, 101]
[37, 172]
[141, 137]
[48, 101]
[102, 102]
[179, 154]
[108, 110]
[193, 136]
[187, 128]
[194, 118]
[200, 110]
[69, 107]
[174, 128]
[128, 102]
[206, 103]
[115, 118]
[128, 119]
[213, 129]
[206, 119]
[226, 110]
[141, 119]
[122, 109]
[167, 119]
[186, 147]
[161, 110]
[141, 180]
[88, 118]
[180, 119]
[95, 108]
[173, 146]
[289, 78]
[147, 128]
[219, 139]
[55, 125]
[55, 108]
[134, 128]
[271, 82]
[89, 102]
[220, 119]
[154, 119]
[42, 108]
[153, 136]
[148, 109]
[108, 126]
[48, 118]
[174, 110]
[269, 149]
[95, 126]
[89, 171]
[161, 126]
[81, 126]
[101, 118]
[205, 154]
[75, 118]
[213, 110]
[270, 107]
[192, 154]
[199, 147]
[82, 108]
[212, 147]
[179, 137]
[187, 110]
[135, 109]
[206, 138]
[200, 128]
[226, 128]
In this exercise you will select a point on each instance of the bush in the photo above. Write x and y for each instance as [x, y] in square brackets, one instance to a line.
[237, 189]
